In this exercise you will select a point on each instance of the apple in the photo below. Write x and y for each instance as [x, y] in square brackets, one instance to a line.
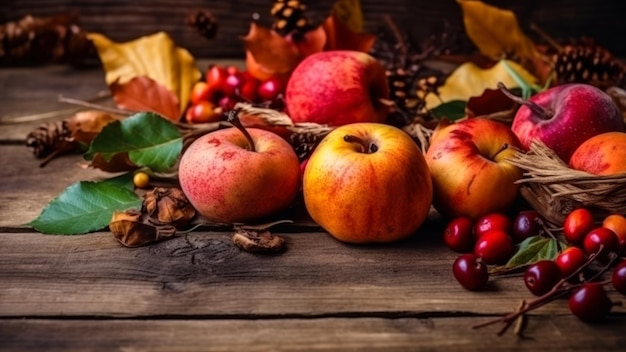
[336, 88]
[603, 154]
[468, 164]
[565, 116]
[366, 183]
[237, 174]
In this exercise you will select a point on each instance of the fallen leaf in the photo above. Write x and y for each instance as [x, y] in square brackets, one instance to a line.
[155, 56]
[349, 12]
[145, 94]
[469, 80]
[271, 50]
[340, 37]
[495, 31]
[491, 101]
[86, 125]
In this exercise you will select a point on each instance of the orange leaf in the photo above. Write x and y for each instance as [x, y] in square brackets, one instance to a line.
[86, 125]
[270, 50]
[340, 37]
[144, 94]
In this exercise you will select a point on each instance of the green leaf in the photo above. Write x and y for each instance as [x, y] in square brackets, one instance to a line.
[149, 139]
[452, 110]
[85, 207]
[534, 249]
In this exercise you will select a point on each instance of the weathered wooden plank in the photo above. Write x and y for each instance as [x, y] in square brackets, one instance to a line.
[325, 334]
[204, 274]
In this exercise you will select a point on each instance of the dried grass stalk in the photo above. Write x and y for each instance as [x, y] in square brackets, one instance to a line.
[554, 189]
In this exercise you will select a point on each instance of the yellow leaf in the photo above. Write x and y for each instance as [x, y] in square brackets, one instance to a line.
[349, 12]
[469, 80]
[495, 31]
[156, 57]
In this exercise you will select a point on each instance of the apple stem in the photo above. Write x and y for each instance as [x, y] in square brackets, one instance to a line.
[504, 147]
[365, 147]
[543, 113]
[233, 118]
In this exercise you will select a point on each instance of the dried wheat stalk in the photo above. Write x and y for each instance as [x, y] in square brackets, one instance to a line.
[554, 189]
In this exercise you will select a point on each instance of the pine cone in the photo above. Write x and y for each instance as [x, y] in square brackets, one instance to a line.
[204, 22]
[48, 138]
[289, 16]
[588, 64]
[304, 143]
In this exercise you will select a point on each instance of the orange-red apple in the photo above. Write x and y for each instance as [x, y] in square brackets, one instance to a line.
[230, 177]
[337, 87]
[603, 154]
[367, 182]
[471, 176]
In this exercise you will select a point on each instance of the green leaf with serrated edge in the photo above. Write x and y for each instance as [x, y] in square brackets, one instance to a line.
[534, 249]
[149, 139]
[452, 110]
[85, 207]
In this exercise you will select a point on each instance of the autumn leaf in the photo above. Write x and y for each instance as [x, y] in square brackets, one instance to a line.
[349, 12]
[495, 31]
[86, 125]
[155, 56]
[145, 94]
[491, 101]
[469, 80]
[340, 37]
[271, 50]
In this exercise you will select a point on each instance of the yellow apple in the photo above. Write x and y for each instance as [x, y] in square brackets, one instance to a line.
[603, 154]
[367, 182]
[471, 176]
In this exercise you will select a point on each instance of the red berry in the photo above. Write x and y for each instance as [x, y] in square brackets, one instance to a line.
[601, 236]
[470, 271]
[590, 303]
[541, 277]
[493, 221]
[232, 84]
[270, 89]
[203, 112]
[577, 224]
[227, 103]
[494, 247]
[215, 79]
[248, 90]
[570, 259]
[458, 235]
[527, 224]
[200, 92]
[619, 277]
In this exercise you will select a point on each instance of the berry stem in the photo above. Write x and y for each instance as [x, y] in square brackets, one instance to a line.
[365, 147]
[542, 112]
[233, 118]
[560, 289]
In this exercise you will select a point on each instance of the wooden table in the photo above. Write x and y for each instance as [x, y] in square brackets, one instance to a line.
[200, 292]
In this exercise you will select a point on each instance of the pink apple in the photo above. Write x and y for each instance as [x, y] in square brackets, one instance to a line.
[229, 177]
[468, 164]
[603, 154]
[565, 116]
[336, 88]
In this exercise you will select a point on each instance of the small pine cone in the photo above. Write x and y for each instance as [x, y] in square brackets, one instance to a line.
[204, 22]
[399, 85]
[588, 64]
[48, 138]
[304, 143]
[289, 16]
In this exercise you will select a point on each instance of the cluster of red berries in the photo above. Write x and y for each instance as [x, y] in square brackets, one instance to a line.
[491, 240]
[225, 86]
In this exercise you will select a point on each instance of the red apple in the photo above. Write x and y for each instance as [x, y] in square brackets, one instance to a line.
[603, 154]
[229, 176]
[336, 88]
[471, 174]
[367, 182]
[565, 116]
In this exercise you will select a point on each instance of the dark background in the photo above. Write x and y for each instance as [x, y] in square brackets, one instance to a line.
[123, 20]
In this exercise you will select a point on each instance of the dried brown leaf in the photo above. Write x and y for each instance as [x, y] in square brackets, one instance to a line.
[119, 162]
[340, 37]
[85, 125]
[168, 206]
[271, 50]
[145, 94]
[132, 229]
